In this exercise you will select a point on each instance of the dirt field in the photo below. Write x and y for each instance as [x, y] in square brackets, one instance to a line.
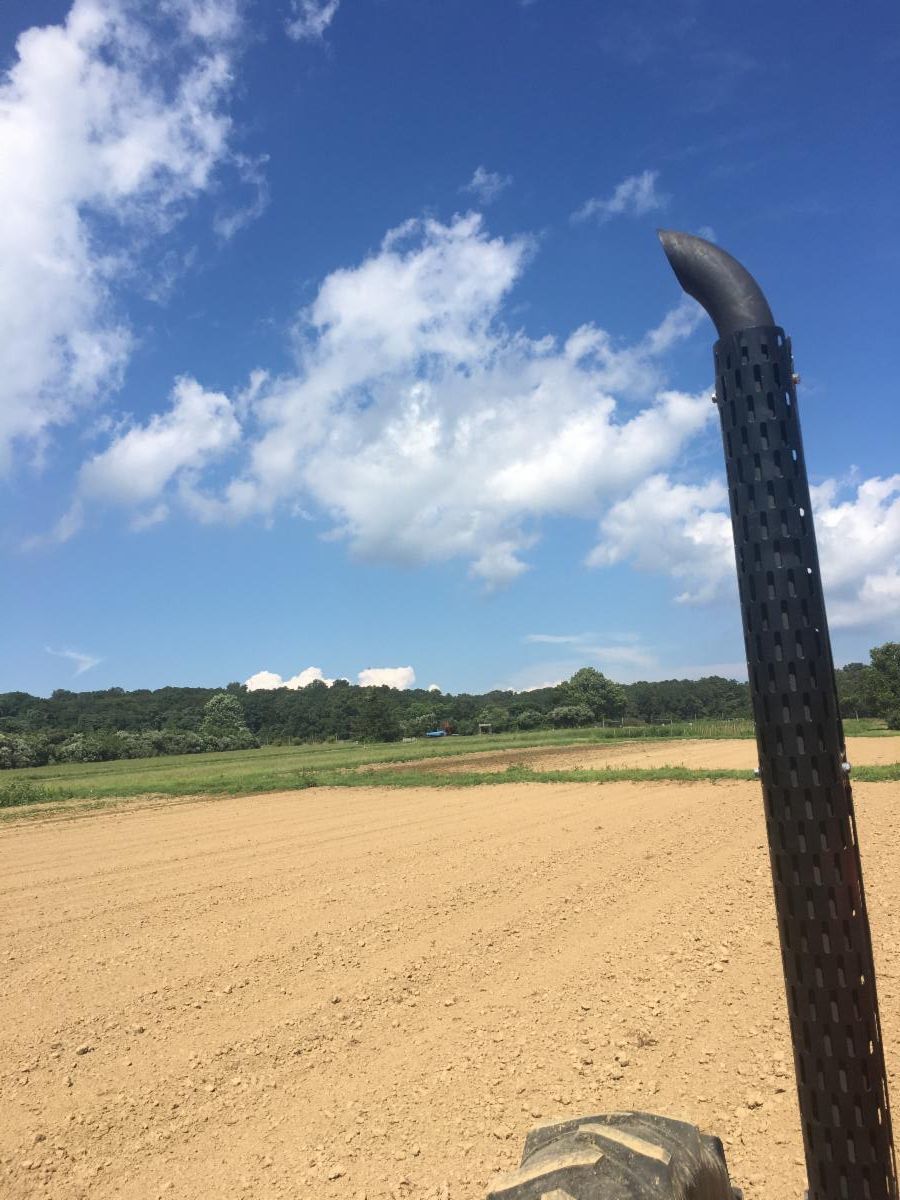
[376, 993]
[734, 754]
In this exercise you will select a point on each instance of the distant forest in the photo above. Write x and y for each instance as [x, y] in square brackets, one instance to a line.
[92, 726]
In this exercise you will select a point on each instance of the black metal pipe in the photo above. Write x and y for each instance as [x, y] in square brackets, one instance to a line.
[727, 291]
[826, 946]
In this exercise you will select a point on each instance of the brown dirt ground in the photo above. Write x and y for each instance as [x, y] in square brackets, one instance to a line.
[343, 993]
[727, 753]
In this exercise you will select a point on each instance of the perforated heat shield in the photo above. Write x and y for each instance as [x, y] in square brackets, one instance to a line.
[826, 946]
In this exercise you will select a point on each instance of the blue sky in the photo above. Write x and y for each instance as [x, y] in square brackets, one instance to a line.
[335, 335]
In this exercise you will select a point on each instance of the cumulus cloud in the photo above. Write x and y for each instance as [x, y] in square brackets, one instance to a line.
[685, 531]
[671, 527]
[633, 197]
[394, 677]
[425, 429]
[108, 124]
[434, 687]
[268, 680]
[83, 662]
[859, 544]
[140, 463]
[311, 18]
[487, 185]
[145, 461]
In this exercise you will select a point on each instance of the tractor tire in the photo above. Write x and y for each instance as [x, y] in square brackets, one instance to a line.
[619, 1156]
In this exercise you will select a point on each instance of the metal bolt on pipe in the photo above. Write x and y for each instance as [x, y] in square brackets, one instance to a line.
[826, 945]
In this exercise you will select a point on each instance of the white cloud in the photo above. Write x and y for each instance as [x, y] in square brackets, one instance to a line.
[268, 680]
[558, 639]
[725, 670]
[487, 185]
[633, 197]
[428, 430]
[434, 687]
[394, 677]
[685, 531]
[674, 528]
[83, 662]
[859, 545]
[624, 649]
[142, 462]
[108, 124]
[311, 19]
[252, 175]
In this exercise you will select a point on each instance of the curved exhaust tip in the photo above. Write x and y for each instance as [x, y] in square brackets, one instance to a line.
[728, 292]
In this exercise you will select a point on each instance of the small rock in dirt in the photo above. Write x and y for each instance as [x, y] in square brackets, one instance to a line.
[83, 1049]
[501, 1134]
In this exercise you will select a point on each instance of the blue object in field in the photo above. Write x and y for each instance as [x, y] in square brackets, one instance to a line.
[436, 733]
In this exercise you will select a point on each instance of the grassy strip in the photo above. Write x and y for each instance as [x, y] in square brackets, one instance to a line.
[22, 793]
[886, 773]
[274, 767]
[524, 774]
[336, 755]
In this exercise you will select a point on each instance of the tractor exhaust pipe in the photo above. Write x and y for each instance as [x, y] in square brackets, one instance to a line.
[727, 291]
[826, 946]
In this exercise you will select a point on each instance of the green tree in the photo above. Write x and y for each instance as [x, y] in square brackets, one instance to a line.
[495, 716]
[855, 690]
[886, 682]
[589, 686]
[377, 721]
[529, 718]
[223, 726]
[568, 715]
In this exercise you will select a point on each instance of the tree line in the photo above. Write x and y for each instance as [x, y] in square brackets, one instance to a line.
[94, 726]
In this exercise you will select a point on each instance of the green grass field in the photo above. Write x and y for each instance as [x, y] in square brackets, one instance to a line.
[275, 768]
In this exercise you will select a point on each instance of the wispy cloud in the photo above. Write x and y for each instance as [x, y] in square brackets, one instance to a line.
[621, 649]
[252, 175]
[83, 662]
[633, 197]
[649, 38]
[311, 19]
[486, 185]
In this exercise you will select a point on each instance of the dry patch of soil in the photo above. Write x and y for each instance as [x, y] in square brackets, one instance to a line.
[722, 753]
[344, 993]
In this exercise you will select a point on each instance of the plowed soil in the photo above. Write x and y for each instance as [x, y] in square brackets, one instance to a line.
[345, 993]
[728, 753]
